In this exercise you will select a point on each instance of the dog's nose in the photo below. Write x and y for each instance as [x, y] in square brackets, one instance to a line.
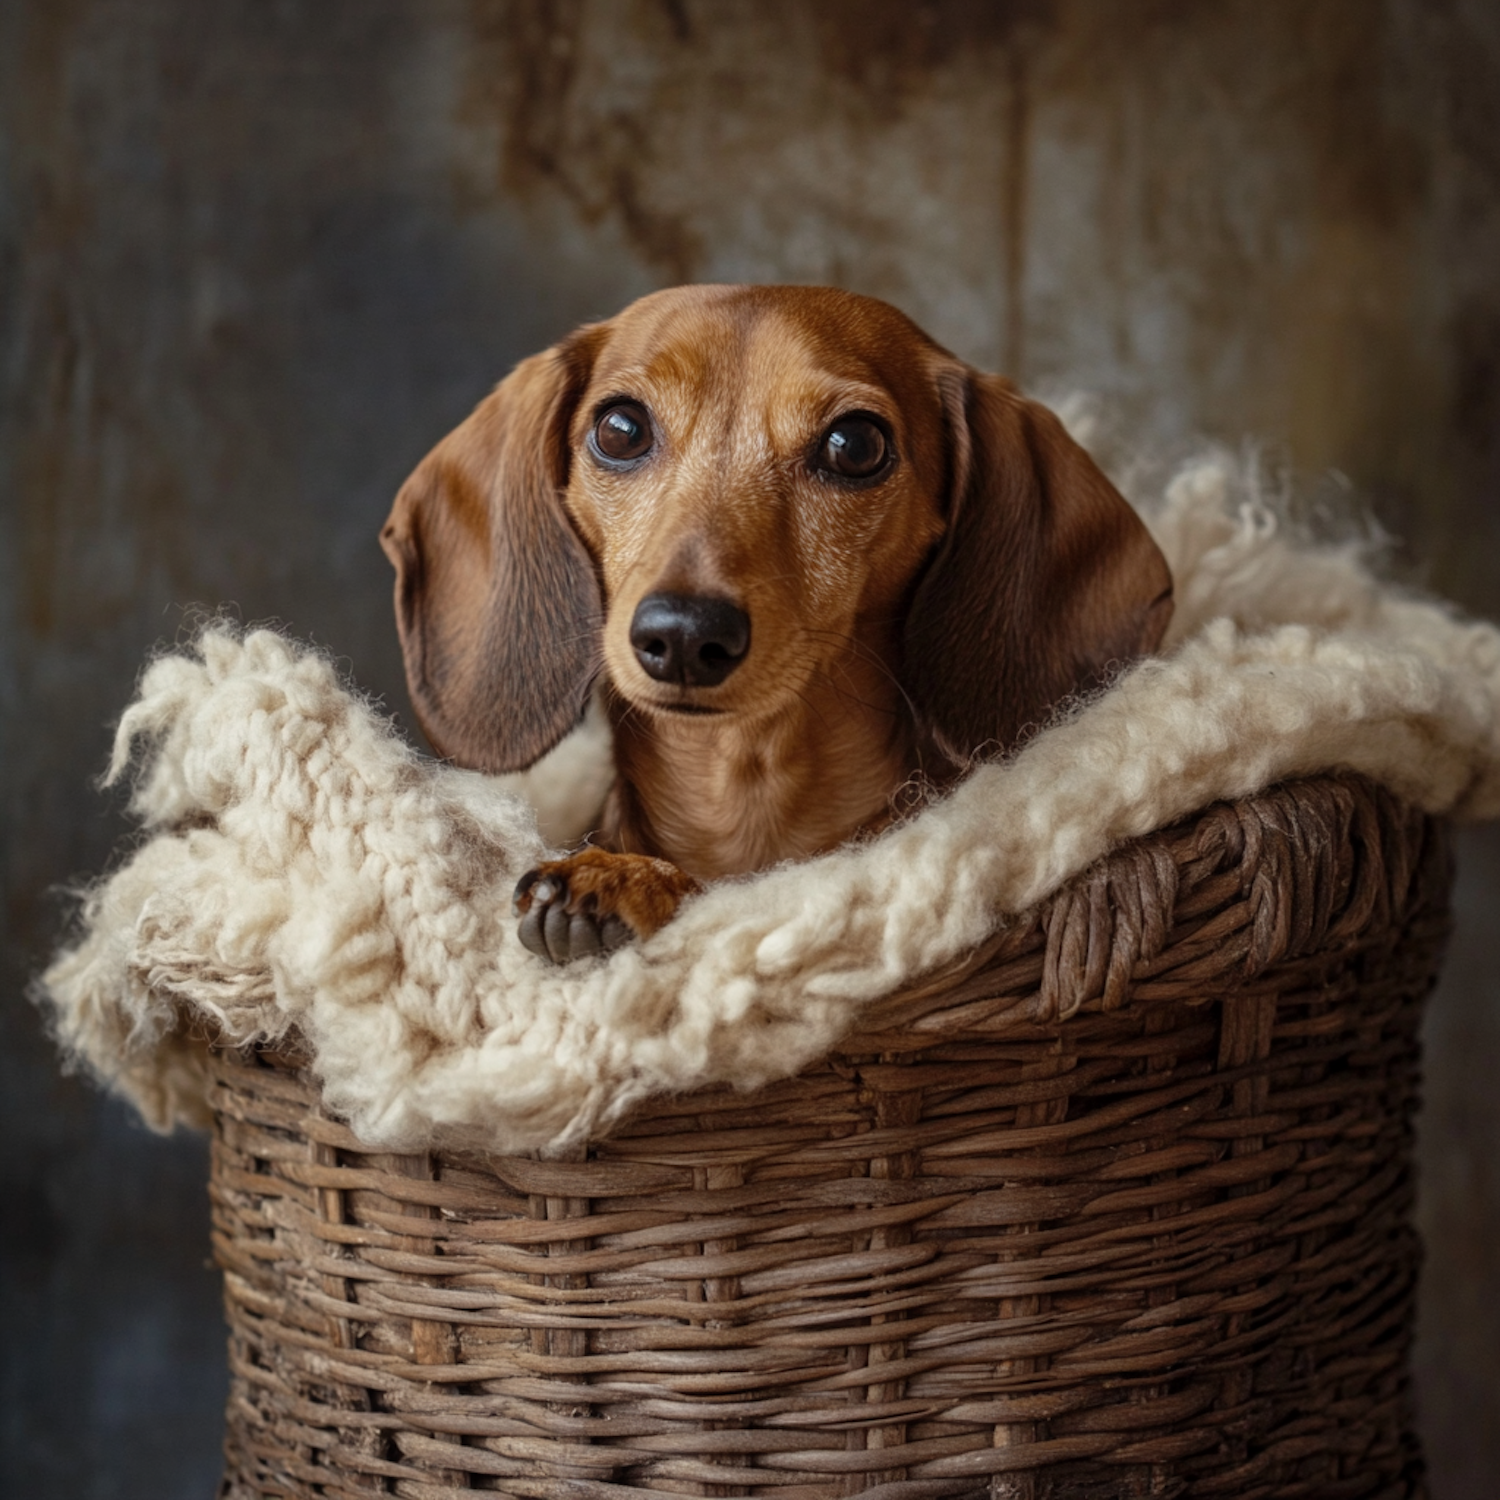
[689, 638]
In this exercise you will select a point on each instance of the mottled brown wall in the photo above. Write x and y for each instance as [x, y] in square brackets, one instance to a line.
[1274, 219]
[256, 255]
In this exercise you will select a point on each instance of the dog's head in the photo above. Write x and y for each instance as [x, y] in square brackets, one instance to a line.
[713, 494]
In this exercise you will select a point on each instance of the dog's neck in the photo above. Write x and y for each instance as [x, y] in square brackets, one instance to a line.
[731, 795]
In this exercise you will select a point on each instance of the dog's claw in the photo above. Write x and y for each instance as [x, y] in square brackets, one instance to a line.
[558, 929]
[583, 936]
[530, 931]
[518, 903]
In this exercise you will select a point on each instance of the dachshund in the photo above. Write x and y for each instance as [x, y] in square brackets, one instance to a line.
[808, 557]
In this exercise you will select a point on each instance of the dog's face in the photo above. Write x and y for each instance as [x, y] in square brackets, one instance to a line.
[753, 481]
[719, 491]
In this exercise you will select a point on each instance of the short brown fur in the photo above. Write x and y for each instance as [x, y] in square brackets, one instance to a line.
[898, 628]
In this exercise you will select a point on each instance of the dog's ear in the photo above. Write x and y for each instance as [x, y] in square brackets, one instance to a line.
[497, 601]
[1044, 581]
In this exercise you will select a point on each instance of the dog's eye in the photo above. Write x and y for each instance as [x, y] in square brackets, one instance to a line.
[623, 432]
[854, 448]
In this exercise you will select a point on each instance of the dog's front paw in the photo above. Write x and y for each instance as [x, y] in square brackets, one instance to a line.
[595, 902]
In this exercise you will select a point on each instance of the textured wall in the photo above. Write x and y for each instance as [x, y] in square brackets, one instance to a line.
[256, 255]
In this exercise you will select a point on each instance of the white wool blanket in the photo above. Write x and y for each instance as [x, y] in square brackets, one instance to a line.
[303, 866]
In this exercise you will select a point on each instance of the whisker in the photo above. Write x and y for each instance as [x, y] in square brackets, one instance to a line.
[809, 704]
[875, 659]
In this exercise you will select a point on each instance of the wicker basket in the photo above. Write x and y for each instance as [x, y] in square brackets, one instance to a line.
[1119, 1207]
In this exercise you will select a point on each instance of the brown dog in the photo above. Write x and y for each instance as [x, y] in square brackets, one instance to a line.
[809, 553]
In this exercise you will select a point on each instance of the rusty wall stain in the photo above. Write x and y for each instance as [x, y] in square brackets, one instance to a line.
[878, 56]
[737, 142]
[524, 66]
[893, 52]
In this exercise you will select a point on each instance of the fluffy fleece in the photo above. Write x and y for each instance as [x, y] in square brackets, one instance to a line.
[304, 866]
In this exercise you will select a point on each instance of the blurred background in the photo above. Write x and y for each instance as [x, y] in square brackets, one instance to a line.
[256, 256]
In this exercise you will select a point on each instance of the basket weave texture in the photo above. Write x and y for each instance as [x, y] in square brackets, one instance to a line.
[1118, 1207]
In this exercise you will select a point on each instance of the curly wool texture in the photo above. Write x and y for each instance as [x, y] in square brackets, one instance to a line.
[306, 867]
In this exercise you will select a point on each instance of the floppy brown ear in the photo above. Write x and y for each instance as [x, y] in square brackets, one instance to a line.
[1045, 581]
[496, 597]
